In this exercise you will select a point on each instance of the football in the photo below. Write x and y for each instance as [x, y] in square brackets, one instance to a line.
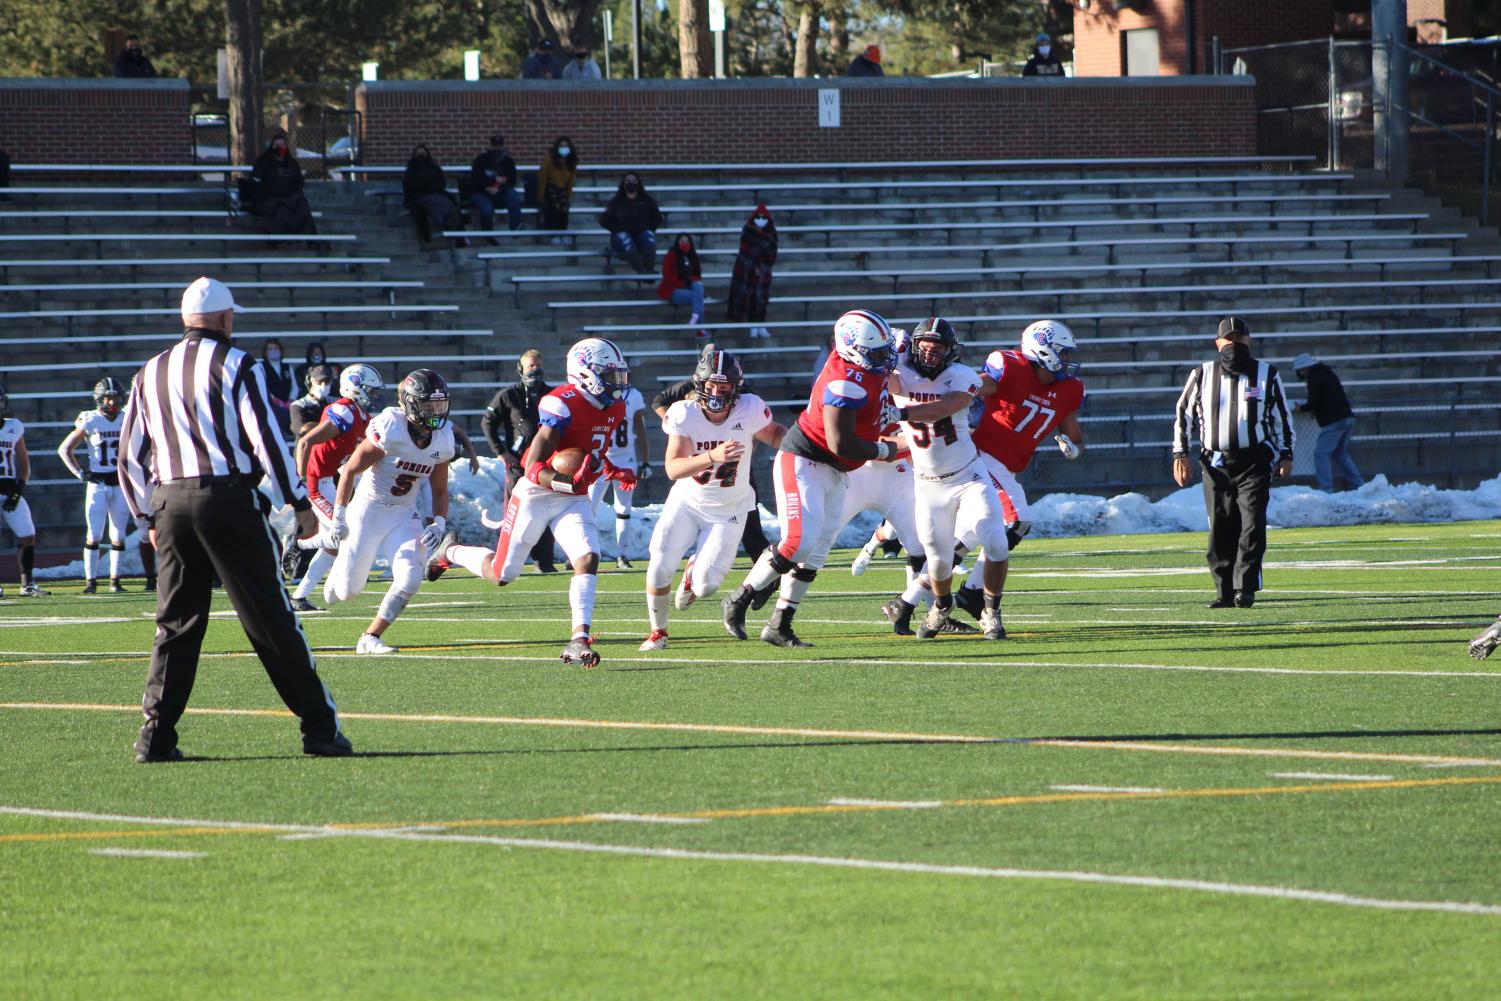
[568, 461]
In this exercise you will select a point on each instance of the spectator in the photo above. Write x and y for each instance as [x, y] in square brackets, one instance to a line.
[683, 279]
[1044, 61]
[509, 424]
[582, 66]
[132, 62]
[542, 64]
[632, 217]
[1331, 408]
[867, 63]
[315, 355]
[555, 184]
[276, 188]
[492, 184]
[279, 380]
[424, 192]
[750, 284]
[307, 410]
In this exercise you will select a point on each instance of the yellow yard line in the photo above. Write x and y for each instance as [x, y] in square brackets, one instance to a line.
[111, 835]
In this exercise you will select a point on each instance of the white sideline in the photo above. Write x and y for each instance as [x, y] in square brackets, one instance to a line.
[835, 862]
[145, 853]
[1330, 777]
[1074, 788]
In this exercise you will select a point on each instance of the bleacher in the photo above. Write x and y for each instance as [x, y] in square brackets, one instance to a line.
[1140, 257]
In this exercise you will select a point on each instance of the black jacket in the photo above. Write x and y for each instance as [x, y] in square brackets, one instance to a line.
[1326, 397]
[1043, 65]
[489, 166]
[863, 65]
[421, 179]
[278, 177]
[511, 418]
[631, 215]
[137, 65]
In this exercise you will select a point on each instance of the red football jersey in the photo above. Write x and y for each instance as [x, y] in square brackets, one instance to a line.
[841, 384]
[581, 423]
[326, 457]
[1022, 411]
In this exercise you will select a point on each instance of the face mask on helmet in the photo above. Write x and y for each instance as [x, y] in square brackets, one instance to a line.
[716, 396]
[1050, 345]
[110, 404]
[862, 338]
[929, 356]
[430, 414]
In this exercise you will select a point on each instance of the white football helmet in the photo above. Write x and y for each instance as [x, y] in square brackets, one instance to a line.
[1050, 344]
[362, 384]
[863, 338]
[597, 368]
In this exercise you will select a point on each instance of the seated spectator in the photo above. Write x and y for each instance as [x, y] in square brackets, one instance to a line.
[492, 184]
[683, 279]
[582, 66]
[867, 63]
[314, 357]
[750, 284]
[555, 184]
[542, 64]
[276, 190]
[1044, 61]
[132, 62]
[632, 217]
[279, 378]
[424, 192]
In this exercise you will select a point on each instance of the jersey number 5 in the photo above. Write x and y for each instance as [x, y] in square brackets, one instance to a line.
[403, 485]
[1033, 409]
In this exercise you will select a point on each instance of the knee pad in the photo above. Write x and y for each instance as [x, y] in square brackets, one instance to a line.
[780, 563]
[394, 602]
[805, 573]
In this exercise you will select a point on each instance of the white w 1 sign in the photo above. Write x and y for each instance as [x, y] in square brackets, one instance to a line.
[828, 109]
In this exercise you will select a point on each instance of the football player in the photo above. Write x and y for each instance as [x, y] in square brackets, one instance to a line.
[710, 437]
[583, 415]
[375, 510]
[320, 453]
[15, 470]
[627, 451]
[930, 388]
[103, 500]
[838, 432]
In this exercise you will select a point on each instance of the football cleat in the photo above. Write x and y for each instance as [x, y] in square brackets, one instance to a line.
[899, 614]
[32, 591]
[90, 586]
[115, 587]
[734, 607]
[150, 583]
[438, 564]
[970, 600]
[303, 605]
[685, 595]
[990, 624]
[932, 623]
[656, 641]
[1482, 645]
[778, 631]
[373, 645]
[580, 650]
[863, 558]
[958, 627]
[289, 555]
[621, 563]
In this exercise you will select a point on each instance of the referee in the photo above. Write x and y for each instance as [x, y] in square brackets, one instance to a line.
[1236, 407]
[198, 426]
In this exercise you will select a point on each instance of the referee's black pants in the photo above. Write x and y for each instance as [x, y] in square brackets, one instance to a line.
[1235, 495]
[205, 529]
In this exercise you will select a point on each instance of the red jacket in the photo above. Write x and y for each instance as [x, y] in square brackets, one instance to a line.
[671, 280]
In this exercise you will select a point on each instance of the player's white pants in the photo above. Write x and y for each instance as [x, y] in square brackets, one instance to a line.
[323, 500]
[379, 530]
[532, 509]
[19, 521]
[964, 505]
[103, 504]
[886, 488]
[621, 500]
[1013, 497]
[810, 498]
[681, 527]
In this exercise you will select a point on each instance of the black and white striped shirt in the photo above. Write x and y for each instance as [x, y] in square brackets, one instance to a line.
[1228, 413]
[197, 410]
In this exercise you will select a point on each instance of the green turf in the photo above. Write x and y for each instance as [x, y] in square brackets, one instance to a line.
[1357, 646]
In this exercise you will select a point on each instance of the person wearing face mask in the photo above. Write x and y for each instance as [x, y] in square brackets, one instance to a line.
[424, 192]
[279, 379]
[132, 62]
[683, 279]
[1044, 60]
[555, 184]
[632, 217]
[1236, 407]
[582, 66]
[307, 410]
[493, 185]
[509, 424]
[277, 184]
[750, 283]
[315, 355]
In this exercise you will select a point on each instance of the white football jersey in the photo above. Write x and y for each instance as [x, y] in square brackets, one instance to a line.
[11, 432]
[723, 489]
[395, 479]
[103, 436]
[944, 446]
[623, 444]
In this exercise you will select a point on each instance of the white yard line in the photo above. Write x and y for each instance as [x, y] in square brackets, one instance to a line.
[1074, 788]
[893, 804]
[1331, 777]
[647, 818]
[145, 853]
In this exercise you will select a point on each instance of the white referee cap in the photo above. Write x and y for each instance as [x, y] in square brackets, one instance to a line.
[207, 295]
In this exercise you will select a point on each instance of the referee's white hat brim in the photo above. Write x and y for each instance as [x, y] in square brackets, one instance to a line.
[208, 295]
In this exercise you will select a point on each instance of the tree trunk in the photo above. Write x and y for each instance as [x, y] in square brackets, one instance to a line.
[569, 23]
[839, 35]
[242, 37]
[805, 62]
[695, 51]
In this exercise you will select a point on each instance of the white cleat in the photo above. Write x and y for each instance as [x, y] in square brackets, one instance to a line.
[862, 559]
[1482, 645]
[373, 645]
[685, 595]
[656, 641]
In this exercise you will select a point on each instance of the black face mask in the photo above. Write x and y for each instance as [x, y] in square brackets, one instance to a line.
[531, 380]
[1235, 357]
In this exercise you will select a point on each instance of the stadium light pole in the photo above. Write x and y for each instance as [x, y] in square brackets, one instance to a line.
[636, 38]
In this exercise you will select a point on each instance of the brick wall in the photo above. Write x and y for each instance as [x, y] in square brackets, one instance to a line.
[1098, 49]
[95, 121]
[643, 122]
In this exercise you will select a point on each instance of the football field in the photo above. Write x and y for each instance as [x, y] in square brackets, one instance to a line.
[1133, 796]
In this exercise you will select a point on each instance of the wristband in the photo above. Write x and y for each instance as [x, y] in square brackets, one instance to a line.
[562, 484]
[904, 414]
[884, 450]
[534, 472]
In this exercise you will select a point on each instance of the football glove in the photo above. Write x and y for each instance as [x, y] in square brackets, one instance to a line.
[644, 473]
[12, 501]
[338, 531]
[625, 478]
[1067, 447]
[433, 534]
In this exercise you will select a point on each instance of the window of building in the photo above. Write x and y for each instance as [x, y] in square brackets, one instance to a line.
[1142, 56]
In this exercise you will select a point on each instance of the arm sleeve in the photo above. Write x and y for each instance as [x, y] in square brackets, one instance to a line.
[265, 438]
[1279, 424]
[135, 446]
[1187, 412]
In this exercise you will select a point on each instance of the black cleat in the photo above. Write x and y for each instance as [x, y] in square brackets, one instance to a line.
[953, 625]
[90, 586]
[734, 607]
[303, 605]
[580, 650]
[150, 584]
[547, 567]
[337, 747]
[1482, 645]
[146, 758]
[1223, 602]
[970, 601]
[758, 598]
[438, 564]
[289, 556]
[1245, 599]
[899, 614]
[115, 587]
[778, 631]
